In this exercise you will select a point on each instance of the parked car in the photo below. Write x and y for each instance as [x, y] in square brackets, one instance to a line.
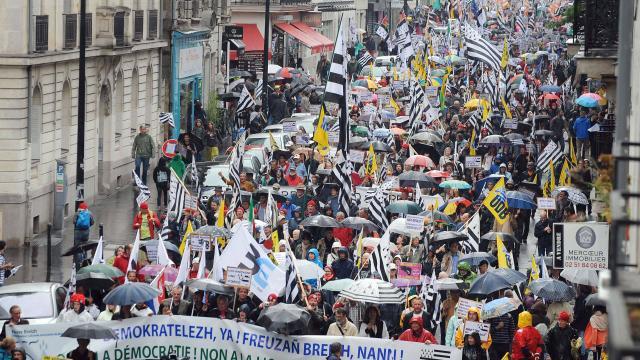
[263, 139]
[40, 302]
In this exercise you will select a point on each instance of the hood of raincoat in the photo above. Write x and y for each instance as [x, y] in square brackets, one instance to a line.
[524, 319]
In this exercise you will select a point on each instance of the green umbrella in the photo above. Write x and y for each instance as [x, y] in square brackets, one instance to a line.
[337, 285]
[404, 207]
[361, 131]
[107, 270]
[455, 184]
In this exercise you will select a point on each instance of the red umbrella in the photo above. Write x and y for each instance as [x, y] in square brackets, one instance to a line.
[549, 96]
[438, 174]
[284, 73]
[420, 160]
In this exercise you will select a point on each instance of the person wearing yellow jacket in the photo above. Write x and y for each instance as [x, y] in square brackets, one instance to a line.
[473, 314]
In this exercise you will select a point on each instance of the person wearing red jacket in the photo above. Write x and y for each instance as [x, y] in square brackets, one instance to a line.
[146, 221]
[417, 332]
[527, 342]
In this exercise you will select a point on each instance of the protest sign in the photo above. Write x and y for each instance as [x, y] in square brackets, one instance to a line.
[473, 162]
[200, 242]
[546, 203]
[510, 124]
[464, 305]
[481, 328]
[210, 339]
[238, 277]
[415, 223]
[289, 127]
[409, 271]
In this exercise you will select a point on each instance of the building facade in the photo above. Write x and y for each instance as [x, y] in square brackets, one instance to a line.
[39, 72]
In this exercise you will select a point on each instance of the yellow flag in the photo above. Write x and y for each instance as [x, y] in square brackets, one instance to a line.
[572, 152]
[507, 111]
[485, 111]
[395, 74]
[552, 177]
[220, 222]
[371, 76]
[545, 189]
[394, 105]
[321, 135]
[502, 253]
[496, 202]
[505, 54]
[360, 247]
[372, 164]
[273, 143]
[505, 357]
[275, 240]
[472, 149]
[565, 178]
[450, 208]
[535, 270]
[185, 238]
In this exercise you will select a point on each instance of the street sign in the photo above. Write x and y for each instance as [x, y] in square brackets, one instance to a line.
[234, 32]
[169, 148]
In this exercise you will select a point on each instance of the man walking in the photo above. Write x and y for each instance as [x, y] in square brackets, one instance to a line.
[581, 129]
[142, 150]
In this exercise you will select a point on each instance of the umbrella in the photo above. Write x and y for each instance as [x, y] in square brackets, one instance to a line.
[273, 68]
[193, 139]
[411, 178]
[320, 221]
[550, 88]
[81, 248]
[284, 73]
[358, 223]
[239, 73]
[455, 59]
[514, 136]
[373, 291]
[588, 102]
[403, 207]
[495, 140]
[381, 133]
[594, 300]
[437, 59]
[361, 131]
[448, 236]
[587, 277]
[308, 270]
[520, 200]
[543, 133]
[154, 243]
[448, 284]
[488, 283]
[456, 201]
[499, 307]
[209, 285]
[265, 191]
[480, 184]
[438, 174]
[399, 226]
[493, 236]
[549, 97]
[455, 184]
[438, 73]
[475, 258]
[420, 160]
[475, 103]
[285, 319]
[337, 285]
[437, 216]
[575, 195]
[215, 231]
[131, 293]
[426, 149]
[108, 270]
[170, 273]
[512, 276]
[552, 290]
[89, 330]
[94, 280]
[368, 83]
[378, 146]
[427, 137]
[398, 131]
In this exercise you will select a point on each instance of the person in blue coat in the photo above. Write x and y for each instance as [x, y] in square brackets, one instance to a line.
[343, 266]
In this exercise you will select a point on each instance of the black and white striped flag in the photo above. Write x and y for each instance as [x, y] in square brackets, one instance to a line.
[377, 207]
[481, 49]
[194, 173]
[365, 59]
[234, 174]
[177, 195]
[246, 100]
[342, 172]
[474, 121]
[489, 126]
[437, 352]
[258, 90]
[335, 90]
[415, 106]
[145, 193]
[381, 258]
[418, 198]
[403, 41]
[520, 24]
[167, 118]
[292, 292]
[551, 153]
[431, 299]
[472, 244]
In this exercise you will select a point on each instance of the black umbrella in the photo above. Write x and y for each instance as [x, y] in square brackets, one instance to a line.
[285, 319]
[543, 133]
[228, 97]
[404, 207]
[524, 126]
[438, 216]
[475, 258]
[378, 146]
[278, 153]
[488, 283]
[94, 280]
[81, 248]
[320, 221]
[515, 137]
[512, 276]
[167, 245]
[196, 141]
[449, 236]
[552, 290]
[594, 300]
[239, 73]
[358, 223]
[428, 150]
[265, 191]
[212, 231]
[495, 140]
[411, 178]
[209, 285]
[90, 330]
[493, 236]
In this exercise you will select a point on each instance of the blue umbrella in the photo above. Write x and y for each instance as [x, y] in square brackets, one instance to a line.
[550, 88]
[131, 293]
[520, 200]
[588, 102]
[386, 114]
[499, 307]
[480, 184]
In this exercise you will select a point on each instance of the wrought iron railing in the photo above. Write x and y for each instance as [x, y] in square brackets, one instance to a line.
[595, 24]
[273, 2]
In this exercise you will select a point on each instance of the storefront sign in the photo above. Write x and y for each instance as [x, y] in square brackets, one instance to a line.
[190, 62]
[312, 18]
[581, 245]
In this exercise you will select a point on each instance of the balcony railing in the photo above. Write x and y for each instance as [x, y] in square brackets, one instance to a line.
[138, 26]
[595, 24]
[88, 30]
[118, 28]
[273, 2]
[152, 33]
[70, 31]
[42, 33]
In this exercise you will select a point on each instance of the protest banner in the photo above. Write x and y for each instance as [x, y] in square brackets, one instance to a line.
[213, 339]
[481, 328]
[289, 127]
[410, 271]
[464, 305]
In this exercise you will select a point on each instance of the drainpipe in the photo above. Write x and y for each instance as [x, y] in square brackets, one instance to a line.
[27, 183]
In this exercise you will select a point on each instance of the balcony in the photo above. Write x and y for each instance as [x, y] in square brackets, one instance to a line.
[273, 3]
[593, 26]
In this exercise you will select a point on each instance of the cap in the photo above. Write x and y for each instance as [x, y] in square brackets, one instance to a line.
[393, 267]
[564, 316]
[292, 169]
[296, 157]
[336, 245]
[272, 297]
[83, 205]
[77, 298]
[144, 206]
[312, 203]
[503, 165]
[289, 144]
[195, 260]
[276, 186]
[281, 217]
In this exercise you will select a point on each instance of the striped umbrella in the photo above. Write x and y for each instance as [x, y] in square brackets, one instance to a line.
[373, 291]
[552, 290]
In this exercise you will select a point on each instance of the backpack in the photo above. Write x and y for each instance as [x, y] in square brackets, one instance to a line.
[83, 222]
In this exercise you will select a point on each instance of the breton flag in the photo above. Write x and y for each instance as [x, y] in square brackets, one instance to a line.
[335, 90]
[520, 25]
[246, 100]
[551, 153]
[381, 258]
[133, 258]
[145, 193]
[291, 291]
[234, 174]
[178, 194]
[480, 49]
[403, 41]
[472, 244]
[258, 90]
[382, 32]
[342, 172]
[418, 198]
[377, 206]
[194, 173]
[167, 118]
[431, 299]
[415, 107]
[365, 59]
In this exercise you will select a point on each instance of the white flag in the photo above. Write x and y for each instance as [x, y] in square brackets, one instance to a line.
[98, 254]
[133, 258]
[163, 256]
[185, 264]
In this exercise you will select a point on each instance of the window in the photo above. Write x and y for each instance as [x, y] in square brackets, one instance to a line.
[65, 131]
[34, 305]
[152, 32]
[42, 33]
[138, 25]
[195, 8]
[118, 28]
[70, 30]
[135, 92]
[88, 30]
[35, 124]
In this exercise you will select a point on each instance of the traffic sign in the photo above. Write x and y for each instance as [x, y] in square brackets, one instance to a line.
[169, 148]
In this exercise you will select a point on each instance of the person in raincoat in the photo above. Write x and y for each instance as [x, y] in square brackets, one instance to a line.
[465, 274]
[527, 342]
[473, 314]
[314, 257]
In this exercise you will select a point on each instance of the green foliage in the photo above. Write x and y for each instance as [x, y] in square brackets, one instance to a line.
[213, 113]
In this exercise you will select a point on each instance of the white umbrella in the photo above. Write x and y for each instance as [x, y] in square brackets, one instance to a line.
[447, 284]
[373, 291]
[399, 226]
[308, 270]
[273, 68]
[587, 277]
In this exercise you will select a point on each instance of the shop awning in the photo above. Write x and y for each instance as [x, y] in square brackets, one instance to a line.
[304, 38]
[327, 44]
[252, 39]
